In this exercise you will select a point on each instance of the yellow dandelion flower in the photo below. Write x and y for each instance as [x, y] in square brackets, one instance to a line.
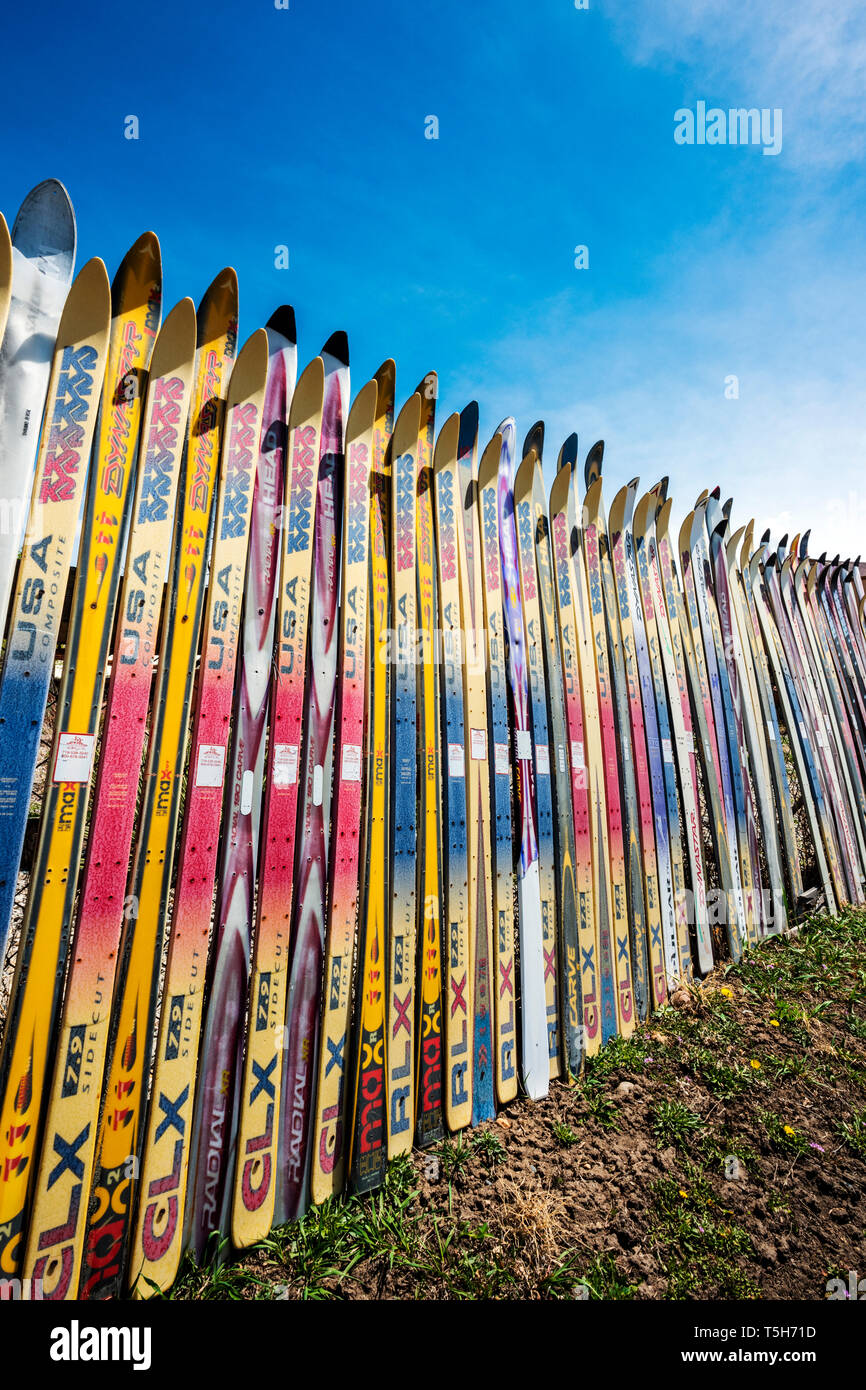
[789, 1129]
[774, 1023]
[683, 1192]
[728, 993]
[755, 1065]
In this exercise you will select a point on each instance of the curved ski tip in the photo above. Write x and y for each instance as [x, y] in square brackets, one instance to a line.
[716, 493]
[338, 347]
[594, 459]
[804, 543]
[822, 558]
[784, 541]
[282, 320]
[534, 439]
[765, 539]
[428, 386]
[507, 426]
[469, 414]
[45, 224]
[568, 453]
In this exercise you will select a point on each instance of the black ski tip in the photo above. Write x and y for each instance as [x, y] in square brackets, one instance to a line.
[282, 320]
[568, 452]
[727, 507]
[822, 558]
[594, 460]
[835, 560]
[338, 346]
[717, 493]
[765, 539]
[804, 544]
[534, 440]
[468, 428]
[784, 541]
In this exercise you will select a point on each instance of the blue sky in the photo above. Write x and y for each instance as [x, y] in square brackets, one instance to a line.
[306, 127]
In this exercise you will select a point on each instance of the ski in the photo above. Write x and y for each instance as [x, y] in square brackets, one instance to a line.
[402, 936]
[576, 754]
[164, 1164]
[718, 790]
[547, 851]
[480, 492]
[328, 1147]
[428, 1023]
[569, 958]
[214, 1115]
[62, 471]
[478, 1091]
[261, 1084]
[593, 750]
[648, 774]
[42, 261]
[303, 1012]
[59, 1203]
[450, 553]
[669, 645]
[368, 1119]
[131, 1032]
[738, 551]
[651, 662]
[535, 1046]
[602, 604]
[35, 997]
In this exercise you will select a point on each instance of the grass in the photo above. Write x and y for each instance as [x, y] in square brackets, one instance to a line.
[721, 1093]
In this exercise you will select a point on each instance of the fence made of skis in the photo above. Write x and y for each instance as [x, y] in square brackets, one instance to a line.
[352, 779]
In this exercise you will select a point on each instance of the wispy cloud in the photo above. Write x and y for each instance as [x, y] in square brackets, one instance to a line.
[807, 59]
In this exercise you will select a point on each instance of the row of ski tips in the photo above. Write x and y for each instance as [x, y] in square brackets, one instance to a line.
[423, 784]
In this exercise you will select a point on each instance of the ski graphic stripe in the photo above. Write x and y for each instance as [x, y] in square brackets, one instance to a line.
[328, 1146]
[59, 1205]
[368, 1125]
[261, 1085]
[403, 909]
[162, 1179]
[131, 1039]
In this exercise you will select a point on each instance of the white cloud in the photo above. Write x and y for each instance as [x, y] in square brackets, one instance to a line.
[807, 59]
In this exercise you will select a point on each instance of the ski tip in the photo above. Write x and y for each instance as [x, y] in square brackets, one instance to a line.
[282, 320]
[765, 539]
[88, 304]
[445, 453]
[594, 460]
[535, 439]
[337, 346]
[428, 386]
[804, 544]
[45, 227]
[716, 493]
[174, 349]
[143, 261]
[568, 453]
[468, 437]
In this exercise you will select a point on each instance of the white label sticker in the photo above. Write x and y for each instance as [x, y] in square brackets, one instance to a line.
[577, 755]
[318, 784]
[285, 764]
[247, 783]
[667, 750]
[542, 759]
[478, 744]
[456, 760]
[74, 757]
[351, 762]
[689, 743]
[210, 766]
[523, 740]
[772, 732]
[560, 755]
[500, 759]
